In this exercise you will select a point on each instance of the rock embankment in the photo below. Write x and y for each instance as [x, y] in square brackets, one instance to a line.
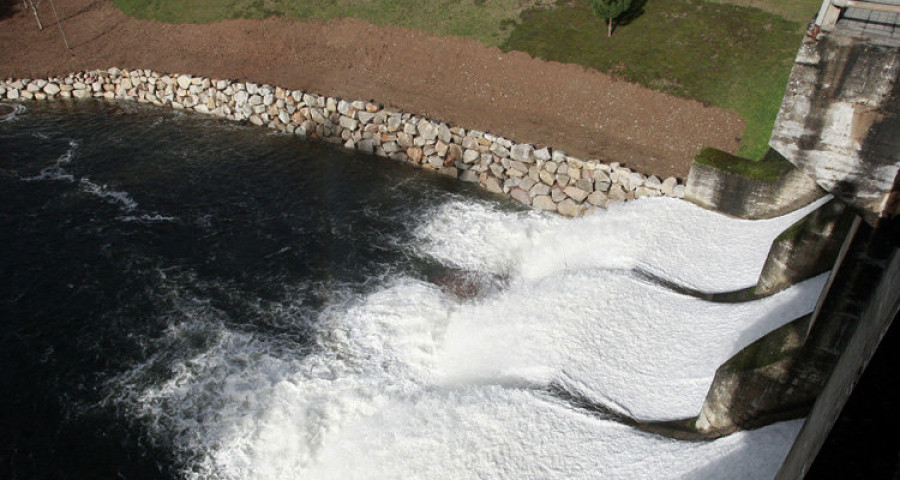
[537, 176]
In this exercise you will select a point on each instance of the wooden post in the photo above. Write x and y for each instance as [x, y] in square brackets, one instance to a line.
[30, 4]
[58, 24]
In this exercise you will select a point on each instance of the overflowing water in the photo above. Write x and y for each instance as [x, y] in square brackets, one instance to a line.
[187, 298]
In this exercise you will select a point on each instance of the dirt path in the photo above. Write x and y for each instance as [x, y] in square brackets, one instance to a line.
[586, 113]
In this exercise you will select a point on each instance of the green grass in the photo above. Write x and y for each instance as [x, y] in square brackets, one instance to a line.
[770, 167]
[733, 54]
[732, 57]
[799, 11]
[488, 21]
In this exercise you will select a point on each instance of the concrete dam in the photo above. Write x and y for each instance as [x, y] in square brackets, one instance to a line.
[837, 133]
[569, 365]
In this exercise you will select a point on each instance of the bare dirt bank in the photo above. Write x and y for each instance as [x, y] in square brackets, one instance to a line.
[585, 113]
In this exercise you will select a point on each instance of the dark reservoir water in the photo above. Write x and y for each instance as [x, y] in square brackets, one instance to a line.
[118, 222]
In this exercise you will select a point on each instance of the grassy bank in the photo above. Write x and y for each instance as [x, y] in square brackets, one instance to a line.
[733, 54]
[488, 21]
[729, 56]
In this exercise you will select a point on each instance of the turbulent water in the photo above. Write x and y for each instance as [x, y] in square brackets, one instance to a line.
[187, 298]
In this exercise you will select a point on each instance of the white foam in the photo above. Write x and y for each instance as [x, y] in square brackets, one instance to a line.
[122, 199]
[17, 109]
[616, 339]
[56, 171]
[408, 381]
[670, 238]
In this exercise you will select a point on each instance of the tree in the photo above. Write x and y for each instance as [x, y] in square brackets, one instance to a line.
[610, 9]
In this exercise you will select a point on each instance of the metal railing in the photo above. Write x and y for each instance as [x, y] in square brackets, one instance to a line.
[831, 10]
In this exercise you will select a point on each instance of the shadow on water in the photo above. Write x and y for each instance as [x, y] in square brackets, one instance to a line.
[9, 7]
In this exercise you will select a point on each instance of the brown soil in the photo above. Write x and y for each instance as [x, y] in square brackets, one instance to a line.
[587, 113]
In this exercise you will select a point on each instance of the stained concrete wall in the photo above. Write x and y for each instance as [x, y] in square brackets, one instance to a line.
[853, 319]
[807, 248]
[745, 188]
[840, 119]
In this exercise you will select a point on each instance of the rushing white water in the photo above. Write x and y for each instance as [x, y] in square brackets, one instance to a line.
[409, 381]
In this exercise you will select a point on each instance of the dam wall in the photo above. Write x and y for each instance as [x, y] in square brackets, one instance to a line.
[840, 120]
[537, 176]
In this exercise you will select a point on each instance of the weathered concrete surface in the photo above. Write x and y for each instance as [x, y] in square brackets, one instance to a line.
[808, 248]
[851, 322]
[737, 398]
[717, 186]
[840, 121]
[783, 374]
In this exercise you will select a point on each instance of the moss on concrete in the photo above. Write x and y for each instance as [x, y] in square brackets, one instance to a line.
[771, 167]
[780, 344]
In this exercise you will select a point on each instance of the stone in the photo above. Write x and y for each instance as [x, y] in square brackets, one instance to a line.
[444, 133]
[550, 167]
[547, 177]
[539, 189]
[519, 166]
[184, 82]
[454, 153]
[75, 93]
[585, 184]
[365, 117]
[427, 130]
[13, 94]
[317, 116]
[617, 193]
[441, 148]
[52, 89]
[636, 179]
[526, 184]
[497, 169]
[575, 193]
[601, 176]
[348, 123]
[543, 202]
[563, 180]
[645, 191]
[449, 171]
[471, 156]
[391, 147]
[415, 154]
[598, 198]
[344, 107]
[574, 173]
[523, 153]
[557, 194]
[493, 184]
[404, 139]
[499, 150]
[469, 143]
[653, 182]
[668, 186]
[678, 191]
[469, 176]
[569, 208]
[520, 195]
[543, 154]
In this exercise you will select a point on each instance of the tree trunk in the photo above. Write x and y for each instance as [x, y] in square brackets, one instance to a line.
[609, 29]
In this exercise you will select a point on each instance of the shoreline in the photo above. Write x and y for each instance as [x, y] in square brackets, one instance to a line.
[541, 177]
[460, 81]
